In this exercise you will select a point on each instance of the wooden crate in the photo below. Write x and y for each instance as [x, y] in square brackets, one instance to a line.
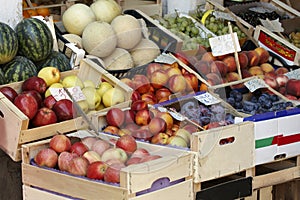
[175, 164]
[16, 131]
[150, 7]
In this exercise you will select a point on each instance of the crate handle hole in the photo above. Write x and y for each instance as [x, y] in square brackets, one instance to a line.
[280, 156]
[226, 141]
[1, 114]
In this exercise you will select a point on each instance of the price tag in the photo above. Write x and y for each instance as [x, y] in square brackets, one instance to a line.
[177, 116]
[77, 53]
[295, 74]
[272, 25]
[255, 84]
[60, 93]
[260, 9]
[207, 99]
[223, 44]
[165, 58]
[223, 15]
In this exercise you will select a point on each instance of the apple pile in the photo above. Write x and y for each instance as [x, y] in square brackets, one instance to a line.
[150, 125]
[161, 80]
[93, 157]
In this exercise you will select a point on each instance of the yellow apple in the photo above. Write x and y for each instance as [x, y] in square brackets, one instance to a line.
[100, 107]
[54, 85]
[103, 87]
[72, 81]
[50, 75]
[92, 97]
[112, 97]
[83, 105]
[89, 83]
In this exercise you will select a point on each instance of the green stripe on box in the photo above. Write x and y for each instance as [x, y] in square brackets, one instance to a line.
[263, 142]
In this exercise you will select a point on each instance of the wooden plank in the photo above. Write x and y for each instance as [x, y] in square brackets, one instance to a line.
[30, 193]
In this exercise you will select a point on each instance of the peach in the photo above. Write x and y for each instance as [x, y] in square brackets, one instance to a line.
[267, 67]
[168, 119]
[128, 82]
[202, 67]
[271, 82]
[149, 98]
[192, 82]
[243, 60]
[281, 70]
[162, 93]
[157, 125]
[256, 70]
[219, 67]
[172, 71]
[232, 76]
[159, 78]
[230, 62]
[253, 58]
[214, 78]
[177, 83]
[142, 83]
[151, 67]
[263, 54]
[246, 73]
[142, 117]
[207, 56]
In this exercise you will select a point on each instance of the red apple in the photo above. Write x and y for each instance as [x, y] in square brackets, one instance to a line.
[35, 83]
[60, 143]
[112, 173]
[140, 152]
[100, 146]
[115, 117]
[127, 143]
[135, 96]
[79, 148]
[92, 156]
[89, 141]
[111, 129]
[46, 157]
[36, 95]
[27, 104]
[44, 116]
[142, 83]
[78, 166]
[271, 82]
[96, 170]
[150, 157]
[64, 160]
[63, 109]
[133, 160]
[142, 134]
[114, 153]
[9, 92]
[49, 101]
[129, 117]
[293, 87]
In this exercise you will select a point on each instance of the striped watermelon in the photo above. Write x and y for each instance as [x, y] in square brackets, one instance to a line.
[19, 69]
[8, 43]
[35, 39]
[56, 59]
[2, 78]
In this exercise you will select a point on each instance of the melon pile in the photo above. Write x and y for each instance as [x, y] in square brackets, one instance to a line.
[116, 39]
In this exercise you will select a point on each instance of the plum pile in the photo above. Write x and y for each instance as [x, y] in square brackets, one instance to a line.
[258, 103]
[215, 115]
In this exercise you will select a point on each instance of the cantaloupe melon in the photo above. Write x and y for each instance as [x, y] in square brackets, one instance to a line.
[118, 60]
[106, 10]
[77, 17]
[144, 52]
[128, 31]
[99, 39]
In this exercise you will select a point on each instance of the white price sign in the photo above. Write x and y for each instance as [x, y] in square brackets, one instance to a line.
[207, 99]
[224, 44]
[60, 93]
[165, 58]
[295, 74]
[255, 84]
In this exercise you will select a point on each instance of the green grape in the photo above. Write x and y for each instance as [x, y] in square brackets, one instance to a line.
[195, 30]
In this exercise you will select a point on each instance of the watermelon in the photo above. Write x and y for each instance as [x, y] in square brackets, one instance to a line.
[19, 69]
[8, 43]
[56, 59]
[35, 39]
[2, 78]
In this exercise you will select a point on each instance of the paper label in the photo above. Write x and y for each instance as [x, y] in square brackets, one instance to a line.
[295, 74]
[207, 99]
[223, 15]
[255, 84]
[223, 44]
[77, 55]
[165, 58]
[260, 10]
[272, 25]
[177, 116]
[60, 93]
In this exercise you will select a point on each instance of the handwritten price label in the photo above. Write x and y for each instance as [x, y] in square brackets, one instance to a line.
[223, 44]
[165, 58]
[295, 74]
[207, 99]
[255, 84]
[60, 93]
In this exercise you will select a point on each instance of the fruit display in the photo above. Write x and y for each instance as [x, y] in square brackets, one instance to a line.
[40, 11]
[294, 38]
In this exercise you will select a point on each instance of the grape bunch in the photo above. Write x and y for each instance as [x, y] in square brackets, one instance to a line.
[253, 17]
[205, 115]
[258, 103]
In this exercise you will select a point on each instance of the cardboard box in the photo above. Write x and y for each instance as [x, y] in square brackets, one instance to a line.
[16, 130]
[175, 166]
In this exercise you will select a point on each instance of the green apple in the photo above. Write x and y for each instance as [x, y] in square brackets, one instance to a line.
[89, 83]
[92, 97]
[184, 134]
[72, 81]
[112, 97]
[54, 85]
[103, 87]
[83, 105]
[50, 75]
